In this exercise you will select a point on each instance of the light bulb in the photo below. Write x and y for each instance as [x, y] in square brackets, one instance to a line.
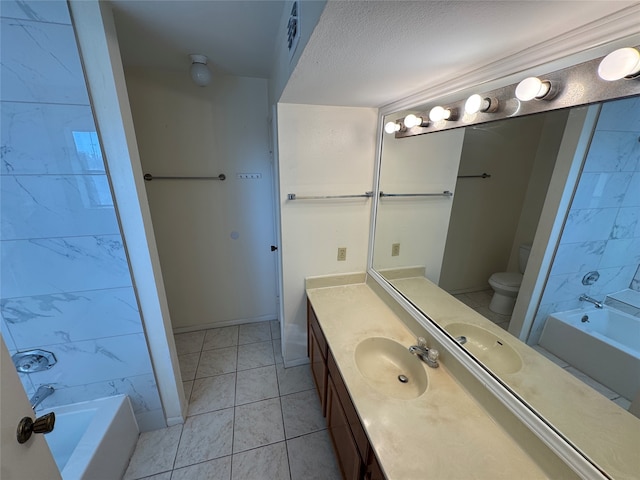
[200, 73]
[473, 104]
[477, 103]
[392, 127]
[531, 88]
[440, 113]
[411, 121]
[621, 63]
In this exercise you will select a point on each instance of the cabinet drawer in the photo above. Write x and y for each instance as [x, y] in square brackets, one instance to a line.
[350, 411]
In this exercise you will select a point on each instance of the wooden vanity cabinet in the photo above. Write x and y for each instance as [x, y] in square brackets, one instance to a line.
[354, 454]
[317, 350]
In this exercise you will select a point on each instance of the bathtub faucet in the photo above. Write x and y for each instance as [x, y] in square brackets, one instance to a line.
[43, 392]
[587, 298]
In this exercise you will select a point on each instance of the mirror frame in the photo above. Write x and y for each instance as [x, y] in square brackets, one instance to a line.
[546, 432]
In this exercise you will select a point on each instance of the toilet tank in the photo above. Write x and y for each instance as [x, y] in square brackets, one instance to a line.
[523, 256]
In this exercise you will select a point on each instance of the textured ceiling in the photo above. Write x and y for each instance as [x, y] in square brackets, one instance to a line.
[362, 53]
[372, 53]
[237, 36]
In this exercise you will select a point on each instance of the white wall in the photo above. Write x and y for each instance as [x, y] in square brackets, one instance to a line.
[486, 212]
[322, 151]
[213, 236]
[420, 164]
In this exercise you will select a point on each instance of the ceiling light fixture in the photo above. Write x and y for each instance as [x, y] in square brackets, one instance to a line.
[619, 64]
[533, 88]
[200, 73]
[412, 120]
[477, 103]
[440, 113]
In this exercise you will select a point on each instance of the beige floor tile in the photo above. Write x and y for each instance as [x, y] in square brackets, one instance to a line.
[187, 387]
[212, 393]
[217, 362]
[221, 337]
[257, 424]
[256, 384]
[254, 332]
[275, 329]
[190, 342]
[188, 365]
[154, 453]
[294, 379]
[218, 469]
[205, 437]
[277, 351]
[262, 463]
[302, 414]
[311, 457]
[255, 355]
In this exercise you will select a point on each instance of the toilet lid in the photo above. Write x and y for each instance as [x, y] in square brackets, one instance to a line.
[508, 279]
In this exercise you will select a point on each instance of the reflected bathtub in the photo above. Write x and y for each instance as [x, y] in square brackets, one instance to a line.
[93, 440]
[603, 343]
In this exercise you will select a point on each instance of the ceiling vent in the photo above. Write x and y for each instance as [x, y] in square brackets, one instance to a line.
[293, 29]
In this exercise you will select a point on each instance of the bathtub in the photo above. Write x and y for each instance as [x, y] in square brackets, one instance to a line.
[93, 440]
[606, 346]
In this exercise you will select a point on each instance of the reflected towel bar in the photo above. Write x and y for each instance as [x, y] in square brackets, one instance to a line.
[148, 177]
[484, 175]
[446, 193]
[293, 196]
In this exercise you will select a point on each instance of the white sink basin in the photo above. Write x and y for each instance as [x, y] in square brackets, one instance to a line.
[388, 367]
[487, 347]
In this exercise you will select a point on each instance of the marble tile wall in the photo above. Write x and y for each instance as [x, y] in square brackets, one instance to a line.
[65, 282]
[602, 230]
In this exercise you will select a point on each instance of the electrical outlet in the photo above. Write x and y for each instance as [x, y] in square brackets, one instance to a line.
[249, 176]
[395, 249]
[342, 254]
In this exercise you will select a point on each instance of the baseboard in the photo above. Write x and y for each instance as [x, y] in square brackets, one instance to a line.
[227, 323]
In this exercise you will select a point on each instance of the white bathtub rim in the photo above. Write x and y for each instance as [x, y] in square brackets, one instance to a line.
[559, 316]
[87, 448]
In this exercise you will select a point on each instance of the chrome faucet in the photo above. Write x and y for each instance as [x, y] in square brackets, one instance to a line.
[587, 298]
[427, 355]
[43, 392]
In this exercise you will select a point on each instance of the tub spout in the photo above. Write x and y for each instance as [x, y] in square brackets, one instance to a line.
[43, 392]
[586, 298]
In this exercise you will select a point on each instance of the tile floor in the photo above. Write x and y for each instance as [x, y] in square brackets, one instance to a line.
[480, 300]
[248, 417]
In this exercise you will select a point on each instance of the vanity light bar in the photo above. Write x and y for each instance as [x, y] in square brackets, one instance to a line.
[616, 75]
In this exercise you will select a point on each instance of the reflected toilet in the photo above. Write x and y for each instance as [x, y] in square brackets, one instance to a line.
[506, 285]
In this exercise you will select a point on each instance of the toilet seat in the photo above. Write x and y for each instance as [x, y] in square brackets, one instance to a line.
[508, 281]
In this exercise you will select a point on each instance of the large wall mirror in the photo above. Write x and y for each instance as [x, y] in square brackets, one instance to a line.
[525, 226]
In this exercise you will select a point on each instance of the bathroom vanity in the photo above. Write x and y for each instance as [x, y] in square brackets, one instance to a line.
[384, 428]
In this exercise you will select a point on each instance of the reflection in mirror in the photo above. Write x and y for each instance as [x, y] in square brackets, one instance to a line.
[551, 204]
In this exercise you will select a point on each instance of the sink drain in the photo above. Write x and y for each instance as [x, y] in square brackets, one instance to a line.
[403, 378]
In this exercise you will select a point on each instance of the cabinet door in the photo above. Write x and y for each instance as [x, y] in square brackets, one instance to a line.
[345, 446]
[318, 369]
[374, 471]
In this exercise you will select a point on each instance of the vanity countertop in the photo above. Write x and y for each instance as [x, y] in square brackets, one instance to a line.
[594, 423]
[442, 434]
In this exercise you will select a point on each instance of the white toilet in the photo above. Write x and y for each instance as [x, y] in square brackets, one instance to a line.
[506, 285]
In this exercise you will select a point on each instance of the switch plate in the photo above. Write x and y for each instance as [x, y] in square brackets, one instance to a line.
[395, 249]
[249, 176]
[342, 254]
